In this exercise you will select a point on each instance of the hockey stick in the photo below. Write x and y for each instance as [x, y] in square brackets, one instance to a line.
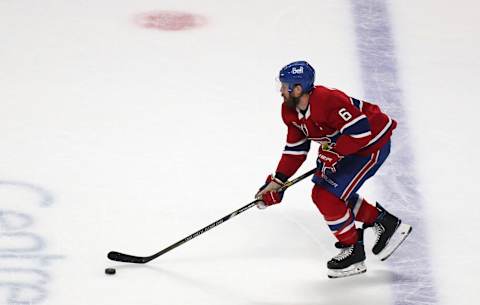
[120, 257]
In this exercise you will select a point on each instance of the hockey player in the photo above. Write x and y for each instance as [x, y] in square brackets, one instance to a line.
[354, 138]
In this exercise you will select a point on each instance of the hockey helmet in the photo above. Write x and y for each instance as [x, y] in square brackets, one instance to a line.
[298, 73]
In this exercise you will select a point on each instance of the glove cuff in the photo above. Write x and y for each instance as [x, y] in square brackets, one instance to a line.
[280, 178]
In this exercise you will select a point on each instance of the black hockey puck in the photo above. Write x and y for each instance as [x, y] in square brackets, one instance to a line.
[110, 271]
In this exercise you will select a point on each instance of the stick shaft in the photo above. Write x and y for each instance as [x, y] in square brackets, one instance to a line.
[117, 256]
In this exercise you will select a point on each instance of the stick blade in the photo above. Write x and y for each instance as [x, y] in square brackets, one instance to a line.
[126, 258]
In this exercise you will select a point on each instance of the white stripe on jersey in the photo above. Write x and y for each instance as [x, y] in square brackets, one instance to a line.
[297, 143]
[353, 122]
[288, 152]
[362, 135]
[384, 130]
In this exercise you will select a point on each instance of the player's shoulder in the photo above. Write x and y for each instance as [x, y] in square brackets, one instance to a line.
[322, 90]
[321, 99]
[328, 96]
[326, 92]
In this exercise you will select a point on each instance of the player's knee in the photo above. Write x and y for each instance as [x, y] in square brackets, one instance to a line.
[327, 203]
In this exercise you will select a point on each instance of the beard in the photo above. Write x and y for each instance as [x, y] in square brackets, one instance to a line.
[291, 101]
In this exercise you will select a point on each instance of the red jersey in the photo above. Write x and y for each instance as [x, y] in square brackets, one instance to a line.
[347, 125]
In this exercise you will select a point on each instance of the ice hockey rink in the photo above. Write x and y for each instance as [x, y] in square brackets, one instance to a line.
[121, 131]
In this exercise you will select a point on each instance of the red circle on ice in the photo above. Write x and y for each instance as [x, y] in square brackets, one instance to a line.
[169, 20]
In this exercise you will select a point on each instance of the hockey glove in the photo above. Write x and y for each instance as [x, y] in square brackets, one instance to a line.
[268, 192]
[328, 159]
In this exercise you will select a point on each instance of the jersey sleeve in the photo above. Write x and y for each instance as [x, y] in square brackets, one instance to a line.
[353, 125]
[295, 152]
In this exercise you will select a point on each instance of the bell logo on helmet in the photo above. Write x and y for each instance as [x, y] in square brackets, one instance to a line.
[297, 70]
[298, 73]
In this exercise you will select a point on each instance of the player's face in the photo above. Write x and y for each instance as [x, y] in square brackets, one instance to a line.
[290, 98]
[284, 91]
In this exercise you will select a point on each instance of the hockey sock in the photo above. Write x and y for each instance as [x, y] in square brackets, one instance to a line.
[363, 211]
[338, 216]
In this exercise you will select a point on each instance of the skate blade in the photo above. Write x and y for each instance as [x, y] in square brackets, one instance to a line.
[396, 240]
[354, 269]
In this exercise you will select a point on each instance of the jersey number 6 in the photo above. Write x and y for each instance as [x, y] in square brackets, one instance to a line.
[345, 114]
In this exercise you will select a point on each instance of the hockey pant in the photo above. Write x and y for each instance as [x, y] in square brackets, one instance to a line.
[335, 194]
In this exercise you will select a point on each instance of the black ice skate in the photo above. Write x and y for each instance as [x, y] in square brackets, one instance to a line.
[390, 233]
[349, 261]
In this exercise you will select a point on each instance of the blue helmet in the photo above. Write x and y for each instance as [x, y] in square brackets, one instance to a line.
[298, 73]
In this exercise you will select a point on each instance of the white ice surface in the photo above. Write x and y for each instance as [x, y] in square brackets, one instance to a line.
[438, 45]
[142, 137]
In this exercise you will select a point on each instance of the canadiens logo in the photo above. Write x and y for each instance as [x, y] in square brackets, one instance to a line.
[297, 125]
[325, 142]
[302, 127]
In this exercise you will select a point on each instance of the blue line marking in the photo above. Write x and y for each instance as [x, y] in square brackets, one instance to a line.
[410, 266]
